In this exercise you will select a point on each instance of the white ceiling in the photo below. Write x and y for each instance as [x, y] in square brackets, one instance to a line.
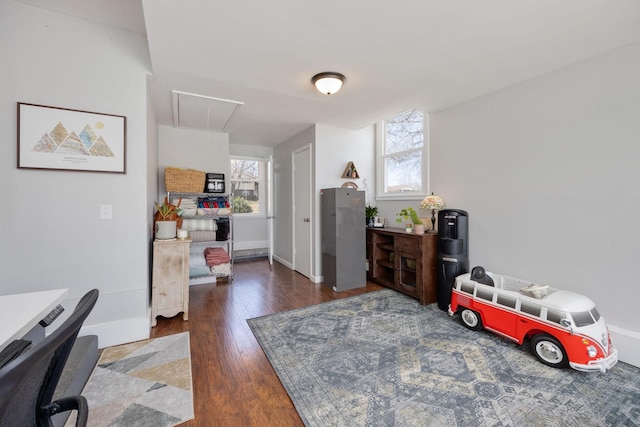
[397, 55]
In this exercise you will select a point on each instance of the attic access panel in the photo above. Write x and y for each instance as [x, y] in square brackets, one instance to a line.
[191, 110]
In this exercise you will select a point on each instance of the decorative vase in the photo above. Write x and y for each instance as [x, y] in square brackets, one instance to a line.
[166, 230]
[418, 228]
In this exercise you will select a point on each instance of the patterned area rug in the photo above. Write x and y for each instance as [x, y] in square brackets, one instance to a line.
[381, 359]
[145, 383]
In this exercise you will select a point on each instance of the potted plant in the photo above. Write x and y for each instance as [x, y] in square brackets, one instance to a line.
[410, 214]
[167, 219]
[370, 213]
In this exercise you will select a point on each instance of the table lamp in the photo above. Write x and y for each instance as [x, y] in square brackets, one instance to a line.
[434, 203]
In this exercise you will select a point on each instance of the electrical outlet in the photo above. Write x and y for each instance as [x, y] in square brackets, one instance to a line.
[106, 211]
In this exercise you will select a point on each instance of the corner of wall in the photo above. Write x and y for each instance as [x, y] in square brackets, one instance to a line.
[120, 331]
[628, 345]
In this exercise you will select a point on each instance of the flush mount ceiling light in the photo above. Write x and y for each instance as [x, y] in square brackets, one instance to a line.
[328, 82]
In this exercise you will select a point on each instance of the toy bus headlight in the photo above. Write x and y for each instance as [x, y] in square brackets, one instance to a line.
[592, 351]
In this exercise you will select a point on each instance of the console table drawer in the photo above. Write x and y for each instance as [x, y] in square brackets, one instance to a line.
[409, 244]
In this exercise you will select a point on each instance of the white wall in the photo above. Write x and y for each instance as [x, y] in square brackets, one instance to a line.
[250, 151]
[52, 236]
[152, 177]
[209, 152]
[250, 232]
[192, 149]
[548, 171]
[334, 149]
[331, 149]
[282, 175]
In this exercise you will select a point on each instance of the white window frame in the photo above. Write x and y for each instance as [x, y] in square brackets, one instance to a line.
[381, 170]
[262, 184]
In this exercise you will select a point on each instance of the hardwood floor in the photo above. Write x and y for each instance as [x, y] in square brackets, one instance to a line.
[233, 382]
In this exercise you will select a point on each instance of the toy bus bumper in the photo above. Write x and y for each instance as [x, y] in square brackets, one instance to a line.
[598, 365]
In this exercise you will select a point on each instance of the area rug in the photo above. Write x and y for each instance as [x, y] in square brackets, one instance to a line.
[145, 383]
[382, 359]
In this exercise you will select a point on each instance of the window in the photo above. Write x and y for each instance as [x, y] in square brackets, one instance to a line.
[582, 319]
[529, 308]
[554, 316]
[248, 186]
[402, 157]
[467, 287]
[506, 300]
[484, 293]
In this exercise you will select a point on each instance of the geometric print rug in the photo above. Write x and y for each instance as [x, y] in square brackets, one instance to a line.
[382, 359]
[144, 383]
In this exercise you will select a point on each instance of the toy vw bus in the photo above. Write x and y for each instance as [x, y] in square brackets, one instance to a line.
[564, 328]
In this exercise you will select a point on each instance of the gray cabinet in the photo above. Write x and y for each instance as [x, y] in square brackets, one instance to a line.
[343, 238]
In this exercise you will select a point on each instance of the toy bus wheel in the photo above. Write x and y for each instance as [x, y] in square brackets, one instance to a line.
[470, 319]
[549, 351]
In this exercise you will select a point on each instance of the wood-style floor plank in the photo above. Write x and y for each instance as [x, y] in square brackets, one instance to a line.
[233, 382]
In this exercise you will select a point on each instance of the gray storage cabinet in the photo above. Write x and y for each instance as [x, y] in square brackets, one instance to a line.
[343, 238]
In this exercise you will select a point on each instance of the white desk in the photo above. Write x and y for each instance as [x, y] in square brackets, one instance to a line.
[21, 312]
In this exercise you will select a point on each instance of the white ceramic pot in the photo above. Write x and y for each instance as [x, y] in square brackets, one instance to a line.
[166, 230]
[418, 228]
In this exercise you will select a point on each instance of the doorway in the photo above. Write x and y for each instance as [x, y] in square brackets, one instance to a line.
[302, 218]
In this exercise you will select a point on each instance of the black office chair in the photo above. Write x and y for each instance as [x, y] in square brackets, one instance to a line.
[27, 383]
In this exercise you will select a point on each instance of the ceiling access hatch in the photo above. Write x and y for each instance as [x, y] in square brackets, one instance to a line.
[194, 111]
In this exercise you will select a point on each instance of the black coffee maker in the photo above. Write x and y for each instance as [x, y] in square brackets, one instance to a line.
[453, 252]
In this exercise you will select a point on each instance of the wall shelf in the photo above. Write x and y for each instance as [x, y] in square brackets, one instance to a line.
[350, 171]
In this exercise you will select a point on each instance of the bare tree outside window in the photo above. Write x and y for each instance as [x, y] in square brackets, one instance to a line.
[402, 152]
[246, 185]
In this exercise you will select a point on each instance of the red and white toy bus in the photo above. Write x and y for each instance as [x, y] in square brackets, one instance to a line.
[564, 328]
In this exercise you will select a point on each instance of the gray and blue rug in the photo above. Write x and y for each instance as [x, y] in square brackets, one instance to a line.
[381, 359]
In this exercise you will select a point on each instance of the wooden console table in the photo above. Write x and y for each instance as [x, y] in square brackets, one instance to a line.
[403, 261]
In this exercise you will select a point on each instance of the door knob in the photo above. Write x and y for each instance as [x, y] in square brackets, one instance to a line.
[306, 219]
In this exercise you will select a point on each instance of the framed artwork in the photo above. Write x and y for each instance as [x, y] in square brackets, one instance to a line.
[72, 140]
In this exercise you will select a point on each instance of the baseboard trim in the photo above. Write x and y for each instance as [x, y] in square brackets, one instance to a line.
[628, 344]
[283, 262]
[119, 332]
[242, 246]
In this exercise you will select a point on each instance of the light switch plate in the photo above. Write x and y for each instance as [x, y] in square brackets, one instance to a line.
[106, 211]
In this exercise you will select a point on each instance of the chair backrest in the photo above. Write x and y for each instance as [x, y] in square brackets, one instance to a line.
[479, 275]
[27, 383]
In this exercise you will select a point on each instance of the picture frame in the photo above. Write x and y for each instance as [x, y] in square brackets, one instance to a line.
[71, 140]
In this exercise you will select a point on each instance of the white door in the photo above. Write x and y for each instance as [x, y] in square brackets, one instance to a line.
[270, 217]
[302, 210]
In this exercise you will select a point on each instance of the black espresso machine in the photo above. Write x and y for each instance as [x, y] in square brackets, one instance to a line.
[453, 252]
